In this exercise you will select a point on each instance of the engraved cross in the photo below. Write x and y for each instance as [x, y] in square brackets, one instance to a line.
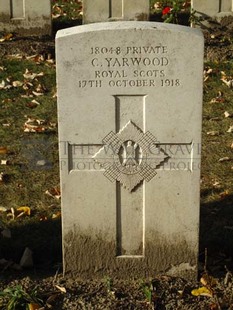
[130, 157]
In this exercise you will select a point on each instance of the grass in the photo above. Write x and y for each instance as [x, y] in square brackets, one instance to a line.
[16, 298]
[25, 182]
[67, 10]
[217, 146]
[217, 186]
[22, 187]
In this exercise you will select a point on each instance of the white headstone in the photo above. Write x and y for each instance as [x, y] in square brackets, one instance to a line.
[26, 17]
[130, 104]
[112, 10]
[211, 8]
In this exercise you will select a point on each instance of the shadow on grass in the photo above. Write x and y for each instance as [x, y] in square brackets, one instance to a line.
[216, 234]
[63, 23]
[183, 18]
[44, 239]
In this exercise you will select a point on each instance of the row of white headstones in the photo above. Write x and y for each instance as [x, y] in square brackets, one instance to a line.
[19, 15]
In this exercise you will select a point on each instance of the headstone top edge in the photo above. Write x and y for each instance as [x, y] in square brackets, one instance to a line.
[127, 25]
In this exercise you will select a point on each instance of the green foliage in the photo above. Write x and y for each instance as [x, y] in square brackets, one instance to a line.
[147, 290]
[109, 284]
[16, 298]
[170, 9]
[67, 10]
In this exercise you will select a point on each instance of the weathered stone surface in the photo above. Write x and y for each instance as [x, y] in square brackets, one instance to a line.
[112, 10]
[216, 9]
[130, 104]
[25, 17]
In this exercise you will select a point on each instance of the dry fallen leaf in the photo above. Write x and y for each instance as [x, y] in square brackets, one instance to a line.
[12, 213]
[207, 73]
[4, 162]
[54, 192]
[213, 133]
[38, 59]
[15, 56]
[6, 124]
[27, 96]
[24, 210]
[40, 88]
[43, 218]
[31, 76]
[2, 84]
[7, 37]
[228, 82]
[230, 129]
[56, 215]
[2, 177]
[34, 306]
[224, 194]
[61, 288]
[58, 11]
[218, 99]
[38, 125]
[33, 104]
[216, 184]
[27, 85]
[224, 159]
[3, 150]
[17, 83]
[50, 61]
[208, 280]
[37, 94]
[227, 114]
[202, 291]
[7, 100]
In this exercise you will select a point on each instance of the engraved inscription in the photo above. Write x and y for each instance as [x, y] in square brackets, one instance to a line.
[160, 49]
[130, 66]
